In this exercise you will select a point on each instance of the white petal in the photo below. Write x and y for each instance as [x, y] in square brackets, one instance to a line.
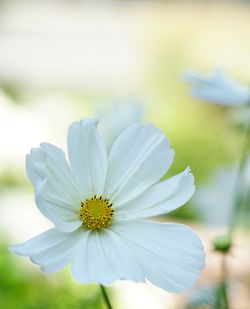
[171, 255]
[160, 198]
[52, 250]
[57, 193]
[87, 156]
[79, 266]
[140, 156]
[103, 257]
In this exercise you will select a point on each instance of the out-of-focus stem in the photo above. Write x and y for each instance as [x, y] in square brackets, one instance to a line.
[105, 297]
[238, 203]
[224, 282]
[221, 293]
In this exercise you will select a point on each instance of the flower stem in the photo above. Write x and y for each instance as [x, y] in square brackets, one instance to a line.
[105, 297]
[221, 301]
[238, 206]
[224, 290]
[238, 203]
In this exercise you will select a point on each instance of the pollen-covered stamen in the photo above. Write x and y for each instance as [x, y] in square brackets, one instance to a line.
[96, 213]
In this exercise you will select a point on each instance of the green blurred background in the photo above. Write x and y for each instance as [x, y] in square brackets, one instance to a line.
[59, 61]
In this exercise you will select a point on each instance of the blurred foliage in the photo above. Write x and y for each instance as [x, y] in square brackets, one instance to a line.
[22, 289]
[12, 179]
[185, 213]
[14, 92]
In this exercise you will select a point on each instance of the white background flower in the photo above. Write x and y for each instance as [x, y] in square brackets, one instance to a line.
[218, 88]
[217, 196]
[118, 116]
[128, 246]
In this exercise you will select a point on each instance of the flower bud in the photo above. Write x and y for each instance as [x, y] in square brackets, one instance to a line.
[222, 243]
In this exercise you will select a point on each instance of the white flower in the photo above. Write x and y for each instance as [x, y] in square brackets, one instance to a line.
[100, 202]
[218, 88]
[113, 119]
[219, 194]
[241, 116]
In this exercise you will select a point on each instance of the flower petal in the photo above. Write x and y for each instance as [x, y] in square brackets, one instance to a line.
[140, 156]
[103, 257]
[56, 190]
[52, 250]
[171, 256]
[160, 198]
[87, 156]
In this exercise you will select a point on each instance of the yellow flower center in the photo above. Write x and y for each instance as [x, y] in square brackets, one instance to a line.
[96, 213]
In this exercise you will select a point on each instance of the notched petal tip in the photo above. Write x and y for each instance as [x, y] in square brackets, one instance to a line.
[188, 173]
[18, 249]
[84, 123]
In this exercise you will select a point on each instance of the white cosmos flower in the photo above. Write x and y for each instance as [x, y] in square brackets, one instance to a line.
[100, 203]
[218, 88]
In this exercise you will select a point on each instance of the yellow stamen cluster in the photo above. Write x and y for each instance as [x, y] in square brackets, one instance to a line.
[96, 212]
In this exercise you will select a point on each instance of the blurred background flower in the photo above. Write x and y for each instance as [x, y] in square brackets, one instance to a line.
[116, 116]
[218, 88]
[59, 60]
[214, 201]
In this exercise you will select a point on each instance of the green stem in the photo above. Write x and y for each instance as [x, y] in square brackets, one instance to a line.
[224, 292]
[237, 203]
[224, 295]
[221, 301]
[105, 297]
